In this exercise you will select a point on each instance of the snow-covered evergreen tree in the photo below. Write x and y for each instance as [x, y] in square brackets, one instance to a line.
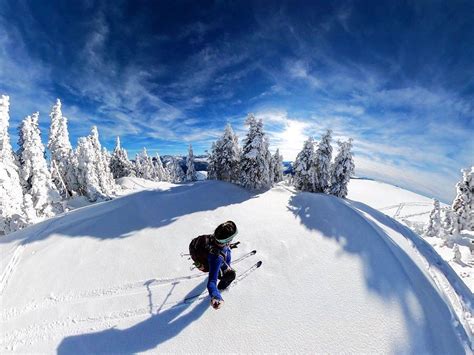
[277, 166]
[228, 156]
[269, 162]
[161, 174]
[63, 161]
[191, 171]
[446, 223]
[94, 176]
[303, 167]
[88, 179]
[107, 157]
[342, 169]
[35, 176]
[106, 179]
[144, 167]
[433, 228]
[457, 253]
[176, 172]
[120, 165]
[323, 156]
[12, 216]
[254, 169]
[463, 204]
[29, 209]
[213, 162]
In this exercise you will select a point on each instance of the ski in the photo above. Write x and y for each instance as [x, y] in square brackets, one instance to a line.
[203, 294]
[156, 282]
[239, 259]
[244, 274]
[245, 256]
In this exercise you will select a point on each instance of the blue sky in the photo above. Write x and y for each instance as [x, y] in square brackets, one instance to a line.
[396, 76]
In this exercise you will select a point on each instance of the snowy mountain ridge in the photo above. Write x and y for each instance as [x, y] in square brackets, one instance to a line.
[108, 277]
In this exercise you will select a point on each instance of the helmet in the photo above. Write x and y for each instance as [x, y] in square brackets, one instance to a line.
[225, 232]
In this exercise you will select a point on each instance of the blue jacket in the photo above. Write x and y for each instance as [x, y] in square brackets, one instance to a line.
[215, 265]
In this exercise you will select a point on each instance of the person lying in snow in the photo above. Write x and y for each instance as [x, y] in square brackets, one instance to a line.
[212, 253]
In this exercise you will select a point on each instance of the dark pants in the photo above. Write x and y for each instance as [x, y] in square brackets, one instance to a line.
[226, 277]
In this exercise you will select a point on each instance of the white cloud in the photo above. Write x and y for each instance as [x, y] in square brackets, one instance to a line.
[285, 133]
[300, 70]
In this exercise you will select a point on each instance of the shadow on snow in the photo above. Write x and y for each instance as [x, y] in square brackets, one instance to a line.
[124, 216]
[141, 337]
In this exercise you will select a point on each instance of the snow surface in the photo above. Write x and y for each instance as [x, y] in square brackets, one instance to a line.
[413, 210]
[337, 276]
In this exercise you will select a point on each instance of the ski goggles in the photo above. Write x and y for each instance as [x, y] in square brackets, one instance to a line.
[227, 240]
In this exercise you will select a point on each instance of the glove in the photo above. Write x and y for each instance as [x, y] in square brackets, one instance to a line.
[216, 303]
[234, 245]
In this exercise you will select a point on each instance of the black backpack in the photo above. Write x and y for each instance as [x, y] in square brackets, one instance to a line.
[200, 248]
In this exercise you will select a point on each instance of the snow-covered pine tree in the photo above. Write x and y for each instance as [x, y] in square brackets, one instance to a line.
[137, 165]
[191, 171]
[277, 166]
[463, 204]
[269, 160]
[63, 161]
[120, 165]
[176, 172]
[161, 173]
[88, 180]
[94, 176]
[342, 169]
[433, 227]
[457, 253]
[228, 152]
[446, 222]
[12, 216]
[212, 163]
[35, 176]
[107, 157]
[303, 167]
[254, 169]
[144, 166]
[106, 179]
[323, 156]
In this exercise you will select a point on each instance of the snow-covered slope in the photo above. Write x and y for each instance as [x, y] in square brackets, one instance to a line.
[392, 200]
[379, 194]
[337, 276]
[413, 210]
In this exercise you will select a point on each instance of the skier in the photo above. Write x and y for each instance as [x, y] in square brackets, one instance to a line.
[213, 253]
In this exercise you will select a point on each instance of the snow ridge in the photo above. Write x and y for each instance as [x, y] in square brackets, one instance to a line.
[458, 297]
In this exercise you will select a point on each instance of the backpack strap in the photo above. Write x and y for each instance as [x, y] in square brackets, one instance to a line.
[221, 254]
[216, 251]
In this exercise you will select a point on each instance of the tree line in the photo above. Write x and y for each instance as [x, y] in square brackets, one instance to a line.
[254, 167]
[33, 189]
[451, 221]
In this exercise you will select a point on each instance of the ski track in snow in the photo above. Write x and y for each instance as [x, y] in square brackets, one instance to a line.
[101, 293]
[10, 268]
[15, 259]
[117, 291]
[62, 328]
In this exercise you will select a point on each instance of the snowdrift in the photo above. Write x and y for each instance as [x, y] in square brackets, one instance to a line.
[337, 276]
